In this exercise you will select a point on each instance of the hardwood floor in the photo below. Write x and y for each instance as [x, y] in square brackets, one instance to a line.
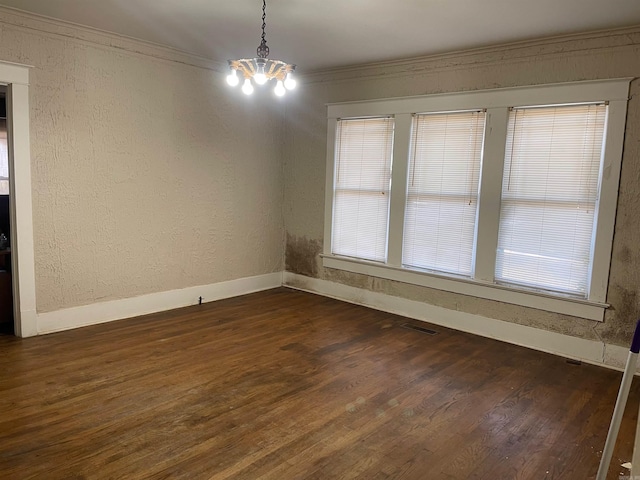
[288, 385]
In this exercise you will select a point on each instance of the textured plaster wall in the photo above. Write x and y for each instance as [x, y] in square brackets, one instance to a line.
[581, 57]
[148, 174]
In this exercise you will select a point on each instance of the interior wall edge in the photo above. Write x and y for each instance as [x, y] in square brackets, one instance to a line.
[588, 351]
[96, 313]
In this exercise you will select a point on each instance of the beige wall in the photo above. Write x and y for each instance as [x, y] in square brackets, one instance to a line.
[148, 173]
[582, 57]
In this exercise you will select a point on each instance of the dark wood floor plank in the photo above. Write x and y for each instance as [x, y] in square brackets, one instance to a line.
[283, 384]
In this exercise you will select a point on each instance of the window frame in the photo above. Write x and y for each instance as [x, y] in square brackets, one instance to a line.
[554, 204]
[496, 102]
[386, 191]
[473, 162]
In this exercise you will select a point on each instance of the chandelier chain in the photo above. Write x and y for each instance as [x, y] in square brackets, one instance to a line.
[264, 20]
[263, 49]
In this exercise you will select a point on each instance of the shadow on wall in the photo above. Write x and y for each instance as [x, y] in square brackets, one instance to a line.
[301, 255]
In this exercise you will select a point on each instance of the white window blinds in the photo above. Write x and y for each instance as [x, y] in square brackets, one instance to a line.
[549, 197]
[362, 183]
[442, 193]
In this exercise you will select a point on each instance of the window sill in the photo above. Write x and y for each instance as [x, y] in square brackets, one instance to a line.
[565, 305]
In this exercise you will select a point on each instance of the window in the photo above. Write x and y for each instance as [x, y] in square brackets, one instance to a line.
[442, 192]
[362, 183]
[549, 197]
[506, 194]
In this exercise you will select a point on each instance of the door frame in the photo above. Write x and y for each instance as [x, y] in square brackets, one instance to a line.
[16, 79]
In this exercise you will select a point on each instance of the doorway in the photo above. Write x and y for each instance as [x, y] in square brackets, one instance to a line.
[15, 80]
[6, 289]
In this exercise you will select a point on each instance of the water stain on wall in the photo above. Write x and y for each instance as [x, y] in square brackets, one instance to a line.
[621, 316]
[347, 278]
[624, 255]
[531, 317]
[301, 255]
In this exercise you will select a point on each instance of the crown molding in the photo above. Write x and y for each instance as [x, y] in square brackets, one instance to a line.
[27, 21]
[586, 43]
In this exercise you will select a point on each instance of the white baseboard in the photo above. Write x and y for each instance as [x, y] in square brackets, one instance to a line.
[25, 322]
[588, 351]
[85, 315]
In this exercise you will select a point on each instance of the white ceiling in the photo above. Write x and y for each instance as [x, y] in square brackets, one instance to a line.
[317, 34]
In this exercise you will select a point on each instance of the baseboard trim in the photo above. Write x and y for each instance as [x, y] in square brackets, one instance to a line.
[103, 312]
[588, 351]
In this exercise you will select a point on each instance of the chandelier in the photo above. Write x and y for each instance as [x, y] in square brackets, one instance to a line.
[262, 69]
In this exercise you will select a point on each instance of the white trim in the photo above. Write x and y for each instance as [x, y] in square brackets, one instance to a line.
[399, 172]
[497, 102]
[547, 94]
[466, 286]
[103, 312]
[605, 214]
[14, 73]
[490, 195]
[16, 77]
[588, 351]
[332, 125]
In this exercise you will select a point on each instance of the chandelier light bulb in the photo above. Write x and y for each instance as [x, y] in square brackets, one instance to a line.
[232, 78]
[279, 90]
[290, 82]
[247, 88]
[259, 77]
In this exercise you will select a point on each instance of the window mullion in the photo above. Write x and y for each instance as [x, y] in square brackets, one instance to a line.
[488, 222]
[401, 146]
[607, 203]
[329, 184]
